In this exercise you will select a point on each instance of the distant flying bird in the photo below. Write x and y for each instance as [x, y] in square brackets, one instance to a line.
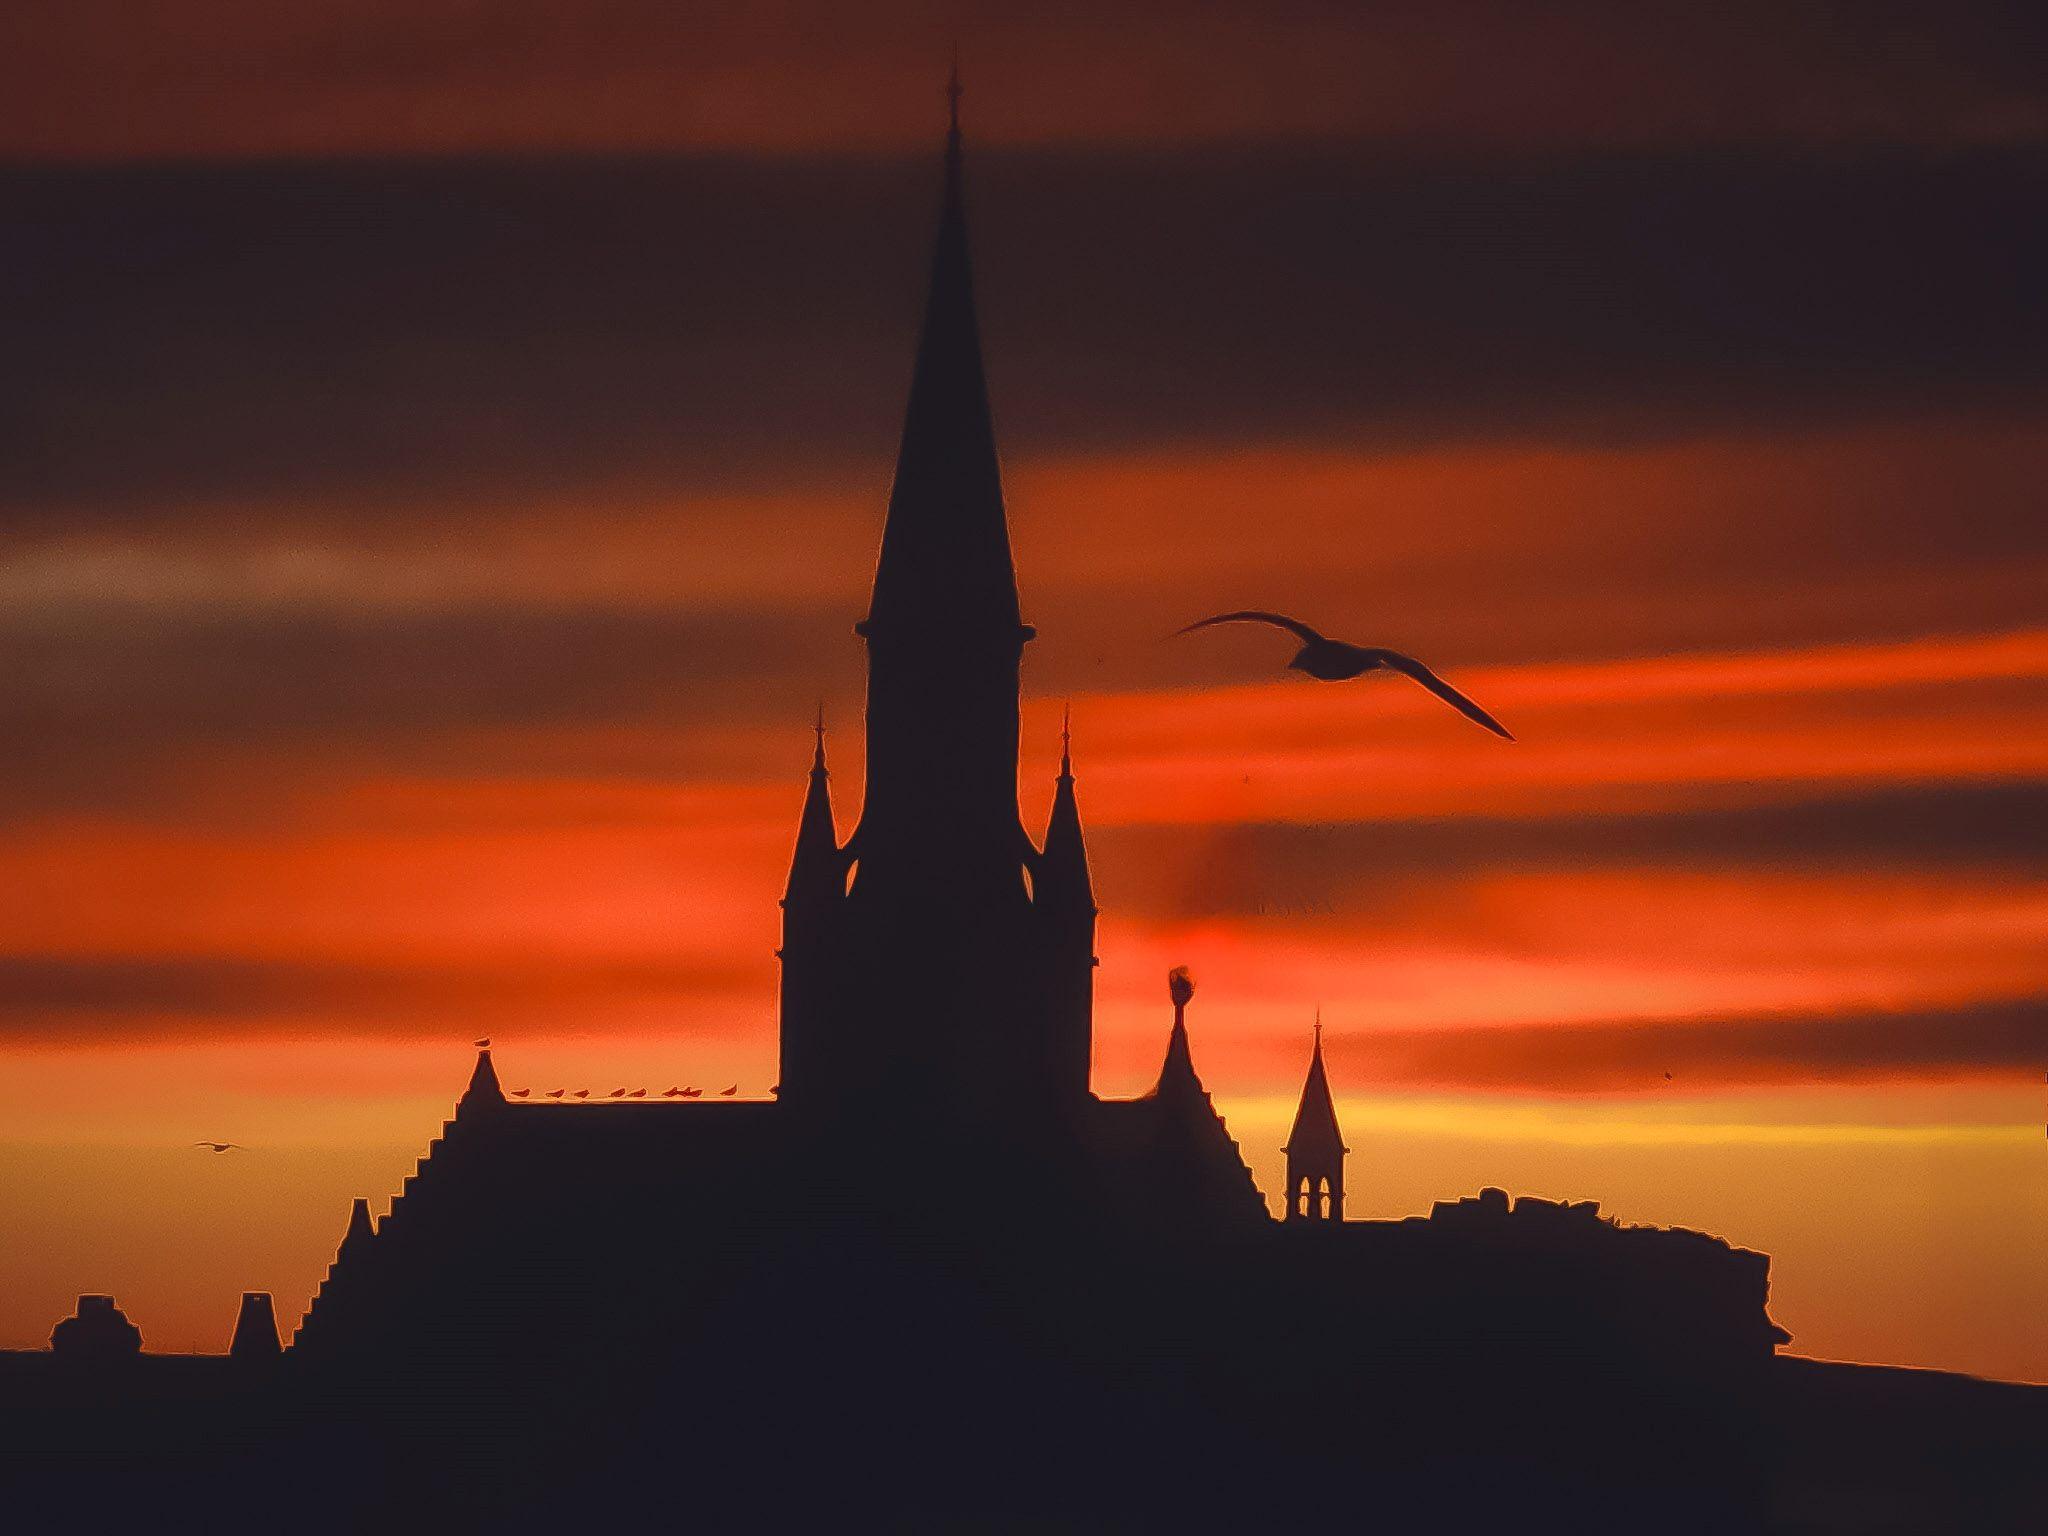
[221, 1146]
[726, 1093]
[1333, 661]
[1667, 1077]
[556, 1093]
[520, 1093]
[637, 1093]
[483, 1044]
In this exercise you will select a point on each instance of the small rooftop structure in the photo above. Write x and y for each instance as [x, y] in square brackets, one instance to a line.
[256, 1329]
[97, 1333]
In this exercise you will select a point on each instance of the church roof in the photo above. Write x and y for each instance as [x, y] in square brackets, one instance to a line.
[945, 560]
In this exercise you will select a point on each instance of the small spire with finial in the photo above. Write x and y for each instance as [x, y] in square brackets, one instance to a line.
[818, 753]
[1067, 742]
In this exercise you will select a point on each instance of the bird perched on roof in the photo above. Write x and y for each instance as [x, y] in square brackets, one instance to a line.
[637, 1093]
[671, 1093]
[221, 1146]
[618, 1093]
[581, 1093]
[726, 1093]
[556, 1093]
[520, 1093]
[693, 1093]
[483, 1044]
[1333, 661]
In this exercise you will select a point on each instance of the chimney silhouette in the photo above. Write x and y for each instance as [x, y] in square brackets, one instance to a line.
[255, 1329]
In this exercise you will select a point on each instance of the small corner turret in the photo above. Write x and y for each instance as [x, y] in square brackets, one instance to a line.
[817, 870]
[1062, 880]
[1315, 1147]
[483, 1093]
[255, 1338]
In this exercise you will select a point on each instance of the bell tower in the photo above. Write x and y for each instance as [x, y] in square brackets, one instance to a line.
[1315, 1148]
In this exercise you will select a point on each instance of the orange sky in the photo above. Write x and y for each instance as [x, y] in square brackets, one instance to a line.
[300, 971]
[444, 455]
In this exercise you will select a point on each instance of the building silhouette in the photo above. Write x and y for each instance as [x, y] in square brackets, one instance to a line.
[936, 1282]
[935, 1194]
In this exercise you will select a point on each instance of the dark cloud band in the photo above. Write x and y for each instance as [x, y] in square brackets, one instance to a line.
[1998, 1039]
[332, 339]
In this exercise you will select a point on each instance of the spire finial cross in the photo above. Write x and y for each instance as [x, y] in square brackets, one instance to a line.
[818, 726]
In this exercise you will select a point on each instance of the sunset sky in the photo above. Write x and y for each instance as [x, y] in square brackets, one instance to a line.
[443, 447]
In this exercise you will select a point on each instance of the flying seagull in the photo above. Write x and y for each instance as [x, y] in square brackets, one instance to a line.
[1332, 661]
[221, 1146]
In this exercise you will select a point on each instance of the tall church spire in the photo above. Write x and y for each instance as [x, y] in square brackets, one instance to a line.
[945, 558]
[939, 822]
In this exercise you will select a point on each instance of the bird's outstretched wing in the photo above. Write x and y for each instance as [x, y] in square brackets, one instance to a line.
[1295, 627]
[1408, 666]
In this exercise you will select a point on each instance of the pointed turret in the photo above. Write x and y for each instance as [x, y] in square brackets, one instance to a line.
[483, 1092]
[813, 910]
[1065, 898]
[1315, 1147]
[1063, 868]
[1198, 1176]
[817, 868]
[1178, 1080]
[360, 1234]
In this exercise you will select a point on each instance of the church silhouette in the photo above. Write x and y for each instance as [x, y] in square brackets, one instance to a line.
[935, 1281]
